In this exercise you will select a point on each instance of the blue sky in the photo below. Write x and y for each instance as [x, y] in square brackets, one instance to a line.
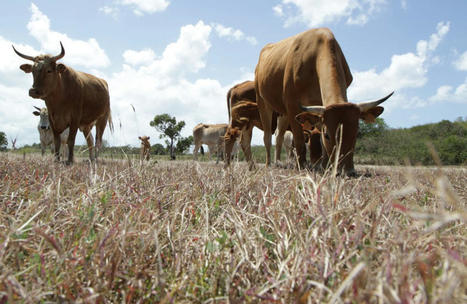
[181, 56]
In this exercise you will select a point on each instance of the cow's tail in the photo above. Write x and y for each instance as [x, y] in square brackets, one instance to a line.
[228, 102]
[201, 149]
[111, 124]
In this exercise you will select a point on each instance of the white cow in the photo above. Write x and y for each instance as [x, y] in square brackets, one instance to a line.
[288, 145]
[210, 135]
[46, 135]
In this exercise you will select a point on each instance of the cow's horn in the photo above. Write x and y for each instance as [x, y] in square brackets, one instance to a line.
[366, 105]
[22, 55]
[313, 109]
[59, 56]
[37, 108]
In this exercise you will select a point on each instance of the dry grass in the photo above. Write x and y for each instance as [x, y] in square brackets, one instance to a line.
[186, 232]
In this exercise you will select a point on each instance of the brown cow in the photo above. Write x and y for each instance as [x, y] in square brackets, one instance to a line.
[244, 117]
[74, 100]
[145, 147]
[245, 91]
[310, 69]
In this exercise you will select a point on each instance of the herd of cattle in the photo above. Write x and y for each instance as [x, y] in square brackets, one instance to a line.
[299, 92]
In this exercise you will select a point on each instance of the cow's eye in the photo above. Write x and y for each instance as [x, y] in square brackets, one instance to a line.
[49, 71]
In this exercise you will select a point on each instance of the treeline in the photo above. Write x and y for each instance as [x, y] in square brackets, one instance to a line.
[376, 144]
[379, 144]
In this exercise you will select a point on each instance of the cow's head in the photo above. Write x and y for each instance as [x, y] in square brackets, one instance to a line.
[230, 137]
[45, 72]
[145, 141]
[313, 140]
[332, 118]
[44, 122]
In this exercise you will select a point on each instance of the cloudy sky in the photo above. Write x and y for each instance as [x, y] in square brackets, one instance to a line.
[181, 56]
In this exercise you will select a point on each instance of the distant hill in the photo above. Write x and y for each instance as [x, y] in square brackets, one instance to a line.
[378, 144]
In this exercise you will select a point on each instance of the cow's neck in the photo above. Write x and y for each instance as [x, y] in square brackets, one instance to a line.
[54, 102]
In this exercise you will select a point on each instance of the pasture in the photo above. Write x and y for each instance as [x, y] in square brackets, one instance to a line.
[188, 232]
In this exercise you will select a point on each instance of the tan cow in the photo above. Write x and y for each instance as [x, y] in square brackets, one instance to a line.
[74, 99]
[309, 69]
[210, 135]
[145, 150]
[46, 135]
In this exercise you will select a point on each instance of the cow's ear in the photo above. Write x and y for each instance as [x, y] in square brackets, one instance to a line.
[61, 67]
[149, 137]
[37, 113]
[370, 115]
[309, 120]
[27, 68]
[139, 137]
[243, 120]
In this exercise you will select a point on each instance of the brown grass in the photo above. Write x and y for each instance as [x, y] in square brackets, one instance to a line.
[186, 232]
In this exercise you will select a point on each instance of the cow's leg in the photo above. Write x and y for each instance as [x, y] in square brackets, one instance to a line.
[266, 121]
[90, 141]
[43, 148]
[282, 124]
[228, 146]
[297, 131]
[211, 148]
[63, 149]
[220, 148]
[195, 150]
[100, 128]
[245, 142]
[56, 146]
[71, 144]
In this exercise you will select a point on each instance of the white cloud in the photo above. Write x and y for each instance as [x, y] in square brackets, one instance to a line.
[78, 52]
[229, 32]
[318, 12]
[140, 7]
[447, 93]
[135, 58]
[404, 4]
[110, 11]
[161, 86]
[278, 10]
[406, 71]
[461, 63]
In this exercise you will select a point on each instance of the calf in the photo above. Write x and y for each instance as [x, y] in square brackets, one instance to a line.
[46, 135]
[145, 147]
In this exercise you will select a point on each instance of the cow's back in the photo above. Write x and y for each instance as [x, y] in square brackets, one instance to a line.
[86, 99]
[292, 66]
[96, 100]
[205, 133]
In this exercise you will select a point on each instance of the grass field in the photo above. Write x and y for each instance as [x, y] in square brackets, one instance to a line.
[187, 232]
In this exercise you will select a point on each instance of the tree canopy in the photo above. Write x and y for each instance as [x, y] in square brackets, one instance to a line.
[3, 141]
[169, 128]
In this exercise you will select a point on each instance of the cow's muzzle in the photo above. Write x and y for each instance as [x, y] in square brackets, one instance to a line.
[44, 128]
[35, 93]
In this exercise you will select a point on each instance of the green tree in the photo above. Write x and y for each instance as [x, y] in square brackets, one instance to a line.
[183, 144]
[3, 141]
[372, 129]
[170, 128]
[158, 149]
